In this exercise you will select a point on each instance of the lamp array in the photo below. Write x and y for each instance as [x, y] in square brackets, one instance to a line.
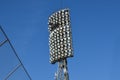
[58, 19]
[60, 40]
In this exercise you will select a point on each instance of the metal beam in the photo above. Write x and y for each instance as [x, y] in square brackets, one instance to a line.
[11, 72]
[3, 42]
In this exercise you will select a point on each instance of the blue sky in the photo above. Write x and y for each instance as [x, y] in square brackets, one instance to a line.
[96, 36]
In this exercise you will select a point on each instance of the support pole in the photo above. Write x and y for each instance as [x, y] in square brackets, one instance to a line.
[65, 69]
[62, 72]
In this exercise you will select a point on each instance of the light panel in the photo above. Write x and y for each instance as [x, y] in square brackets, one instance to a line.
[60, 40]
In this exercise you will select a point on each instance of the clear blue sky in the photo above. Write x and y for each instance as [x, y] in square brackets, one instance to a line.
[96, 36]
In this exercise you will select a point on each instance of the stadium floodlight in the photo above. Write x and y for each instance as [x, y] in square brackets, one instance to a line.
[60, 40]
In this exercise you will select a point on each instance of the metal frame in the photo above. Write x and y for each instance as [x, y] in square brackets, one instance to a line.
[10, 73]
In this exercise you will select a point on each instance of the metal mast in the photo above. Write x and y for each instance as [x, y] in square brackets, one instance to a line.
[62, 73]
[60, 42]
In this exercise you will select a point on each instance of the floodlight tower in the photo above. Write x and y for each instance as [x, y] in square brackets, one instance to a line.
[60, 42]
